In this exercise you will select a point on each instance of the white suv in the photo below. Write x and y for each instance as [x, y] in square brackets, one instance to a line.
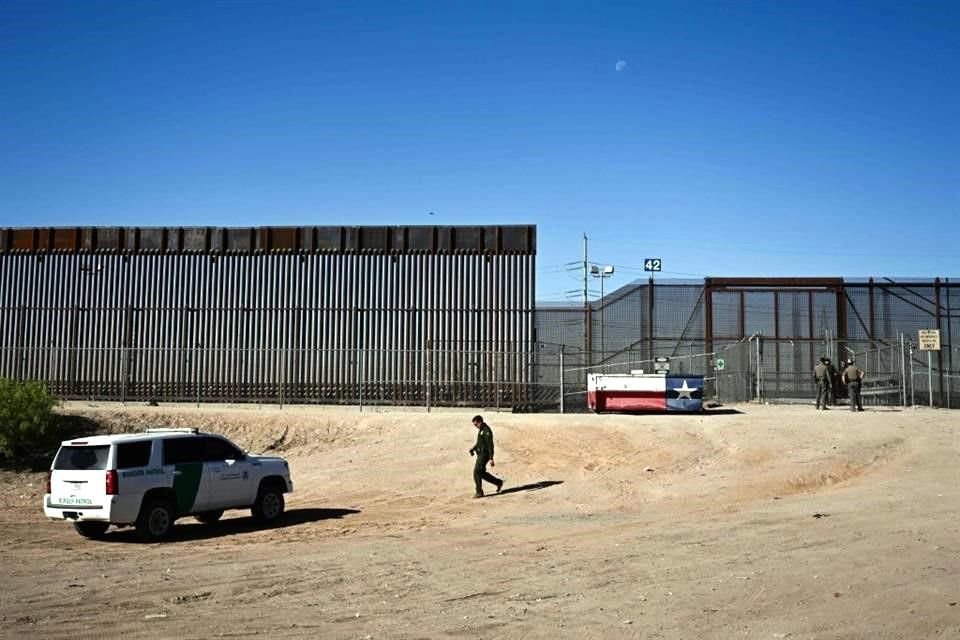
[150, 479]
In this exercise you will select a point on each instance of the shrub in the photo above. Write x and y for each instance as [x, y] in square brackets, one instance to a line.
[27, 423]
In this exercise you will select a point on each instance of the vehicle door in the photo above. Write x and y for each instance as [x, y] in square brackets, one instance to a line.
[183, 461]
[135, 476]
[229, 470]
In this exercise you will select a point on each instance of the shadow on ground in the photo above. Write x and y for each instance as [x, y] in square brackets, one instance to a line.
[188, 529]
[536, 486]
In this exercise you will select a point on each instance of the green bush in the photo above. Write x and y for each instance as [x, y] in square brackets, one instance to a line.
[27, 422]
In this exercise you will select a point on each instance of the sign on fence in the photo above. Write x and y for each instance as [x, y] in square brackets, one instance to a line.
[929, 339]
[720, 364]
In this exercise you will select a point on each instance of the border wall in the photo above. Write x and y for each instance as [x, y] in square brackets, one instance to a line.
[388, 315]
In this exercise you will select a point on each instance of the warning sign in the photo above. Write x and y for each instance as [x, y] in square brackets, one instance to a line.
[929, 339]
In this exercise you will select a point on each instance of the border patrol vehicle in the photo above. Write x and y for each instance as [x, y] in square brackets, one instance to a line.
[150, 479]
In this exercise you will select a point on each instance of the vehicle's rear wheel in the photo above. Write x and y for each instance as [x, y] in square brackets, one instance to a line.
[92, 530]
[269, 505]
[156, 520]
[209, 517]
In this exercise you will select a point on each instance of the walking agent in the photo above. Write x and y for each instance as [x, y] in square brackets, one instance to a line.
[821, 375]
[484, 452]
[853, 378]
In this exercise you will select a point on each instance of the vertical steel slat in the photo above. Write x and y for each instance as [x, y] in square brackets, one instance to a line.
[118, 274]
[336, 332]
[155, 298]
[232, 342]
[262, 371]
[242, 327]
[271, 345]
[207, 352]
[53, 322]
[215, 333]
[318, 343]
[5, 320]
[382, 354]
[340, 332]
[7, 268]
[197, 344]
[258, 278]
[28, 318]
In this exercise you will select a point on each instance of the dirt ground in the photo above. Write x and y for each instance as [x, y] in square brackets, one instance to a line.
[744, 522]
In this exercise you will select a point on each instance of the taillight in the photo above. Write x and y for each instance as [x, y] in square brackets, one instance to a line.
[49, 474]
[113, 485]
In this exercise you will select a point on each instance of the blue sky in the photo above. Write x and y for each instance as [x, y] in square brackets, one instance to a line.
[739, 138]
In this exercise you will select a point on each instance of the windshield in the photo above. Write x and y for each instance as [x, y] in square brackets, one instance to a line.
[82, 458]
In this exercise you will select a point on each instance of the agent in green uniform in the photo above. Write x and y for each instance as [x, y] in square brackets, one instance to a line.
[484, 452]
[853, 378]
[821, 375]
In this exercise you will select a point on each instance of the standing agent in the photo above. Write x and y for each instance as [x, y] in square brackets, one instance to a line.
[853, 377]
[834, 378]
[821, 375]
[484, 451]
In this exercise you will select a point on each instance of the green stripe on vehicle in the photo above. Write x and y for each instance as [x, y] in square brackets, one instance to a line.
[186, 483]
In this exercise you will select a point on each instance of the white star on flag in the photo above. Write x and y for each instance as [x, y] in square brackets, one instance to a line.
[684, 391]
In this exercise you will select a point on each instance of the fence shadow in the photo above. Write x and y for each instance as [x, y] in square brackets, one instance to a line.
[535, 486]
[188, 530]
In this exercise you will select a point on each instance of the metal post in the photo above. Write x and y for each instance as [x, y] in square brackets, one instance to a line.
[21, 354]
[429, 358]
[359, 357]
[903, 375]
[949, 353]
[913, 402]
[283, 375]
[196, 371]
[496, 379]
[759, 372]
[930, 377]
[561, 378]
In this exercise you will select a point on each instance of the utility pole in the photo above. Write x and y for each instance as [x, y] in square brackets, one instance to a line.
[586, 302]
[585, 270]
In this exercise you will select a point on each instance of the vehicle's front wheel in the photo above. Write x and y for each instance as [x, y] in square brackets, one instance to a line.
[269, 505]
[92, 530]
[209, 517]
[156, 520]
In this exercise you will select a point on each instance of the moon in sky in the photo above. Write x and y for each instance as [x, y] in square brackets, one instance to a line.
[621, 65]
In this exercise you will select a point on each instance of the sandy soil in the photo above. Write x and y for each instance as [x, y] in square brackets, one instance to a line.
[745, 522]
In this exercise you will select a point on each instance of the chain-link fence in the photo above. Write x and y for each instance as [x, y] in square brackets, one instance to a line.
[550, 377]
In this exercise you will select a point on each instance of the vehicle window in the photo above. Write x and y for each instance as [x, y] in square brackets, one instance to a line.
[82, 458]
[219, 449]
[182, 450]
[133, 454]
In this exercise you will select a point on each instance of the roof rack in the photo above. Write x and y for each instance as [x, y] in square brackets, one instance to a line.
[173, 429]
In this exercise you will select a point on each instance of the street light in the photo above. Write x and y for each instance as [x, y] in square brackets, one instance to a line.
[603, 273]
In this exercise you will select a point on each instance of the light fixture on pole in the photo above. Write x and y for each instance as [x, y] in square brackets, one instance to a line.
[603, 273]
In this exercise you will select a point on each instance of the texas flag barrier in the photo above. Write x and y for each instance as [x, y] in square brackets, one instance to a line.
[644, 392]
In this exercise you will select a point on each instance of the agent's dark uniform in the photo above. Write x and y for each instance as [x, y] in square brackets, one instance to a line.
[484, 452]
[835, 385]
[852, 377]
[821, 374]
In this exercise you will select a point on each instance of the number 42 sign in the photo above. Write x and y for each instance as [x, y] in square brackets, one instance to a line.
[652, 264]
